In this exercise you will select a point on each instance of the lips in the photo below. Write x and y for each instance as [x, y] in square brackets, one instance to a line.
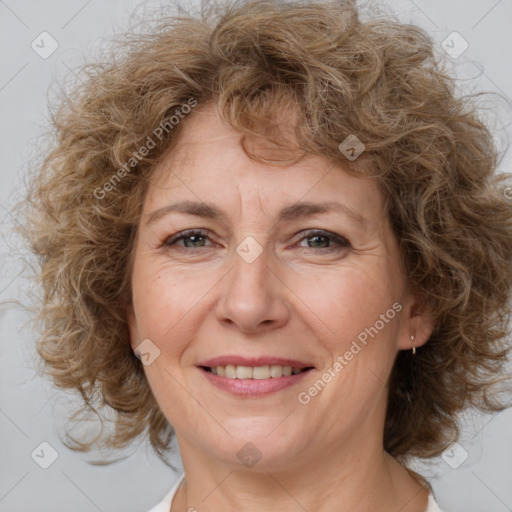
[253, 376]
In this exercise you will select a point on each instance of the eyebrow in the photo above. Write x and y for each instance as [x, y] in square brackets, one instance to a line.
[287, 213]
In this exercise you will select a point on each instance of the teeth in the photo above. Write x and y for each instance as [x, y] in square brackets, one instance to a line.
[243, 372]
[261, 372]
[276, 371]
[254, 372]
[230, 372]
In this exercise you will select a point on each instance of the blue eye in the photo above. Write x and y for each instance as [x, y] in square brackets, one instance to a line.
[196, 239]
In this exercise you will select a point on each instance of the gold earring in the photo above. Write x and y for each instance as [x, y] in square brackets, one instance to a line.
[413, 347]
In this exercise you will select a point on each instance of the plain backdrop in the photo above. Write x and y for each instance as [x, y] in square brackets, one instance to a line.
[475, 475]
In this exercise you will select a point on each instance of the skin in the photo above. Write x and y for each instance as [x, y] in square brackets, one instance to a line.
[302, 298]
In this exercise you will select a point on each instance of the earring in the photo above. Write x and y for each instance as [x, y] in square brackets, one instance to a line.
[413, 347]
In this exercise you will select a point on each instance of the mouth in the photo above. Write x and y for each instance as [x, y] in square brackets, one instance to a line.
[253, 377]
[231, 371]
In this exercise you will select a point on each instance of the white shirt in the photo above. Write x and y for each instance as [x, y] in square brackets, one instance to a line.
[165, 504]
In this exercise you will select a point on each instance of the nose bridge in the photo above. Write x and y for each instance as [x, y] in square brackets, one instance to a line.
[250, 279]
[251, 260]
[253, 295]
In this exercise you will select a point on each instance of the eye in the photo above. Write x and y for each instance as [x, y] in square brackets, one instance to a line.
[321, 238]
[324, 241]
[195, 236]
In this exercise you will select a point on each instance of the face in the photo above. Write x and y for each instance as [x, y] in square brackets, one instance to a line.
[266, 287]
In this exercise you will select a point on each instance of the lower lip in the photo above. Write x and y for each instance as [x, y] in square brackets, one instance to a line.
[253, 387]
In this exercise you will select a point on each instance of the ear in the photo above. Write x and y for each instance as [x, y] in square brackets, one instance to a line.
[417, 321]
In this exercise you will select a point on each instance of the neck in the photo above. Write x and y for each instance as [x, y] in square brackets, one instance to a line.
[350, 481]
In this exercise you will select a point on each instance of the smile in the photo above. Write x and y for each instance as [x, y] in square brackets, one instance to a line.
[255, 372]
[253, 377]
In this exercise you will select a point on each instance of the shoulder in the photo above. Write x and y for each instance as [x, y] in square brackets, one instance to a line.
[165, 504]
[432, 504]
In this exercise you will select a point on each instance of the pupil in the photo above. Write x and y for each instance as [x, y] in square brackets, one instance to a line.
[192, 237]
[317, 237]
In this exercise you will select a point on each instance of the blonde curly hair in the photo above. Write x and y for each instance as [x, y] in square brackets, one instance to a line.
[434, 159]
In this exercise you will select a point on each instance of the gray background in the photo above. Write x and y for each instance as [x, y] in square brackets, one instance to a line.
[32, 412]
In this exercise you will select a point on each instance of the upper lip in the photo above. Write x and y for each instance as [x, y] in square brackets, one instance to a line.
[254, 361]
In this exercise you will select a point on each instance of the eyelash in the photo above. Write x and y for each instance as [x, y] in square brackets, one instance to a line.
[342, 242]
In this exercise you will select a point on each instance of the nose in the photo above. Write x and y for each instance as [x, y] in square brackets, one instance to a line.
[254, 297]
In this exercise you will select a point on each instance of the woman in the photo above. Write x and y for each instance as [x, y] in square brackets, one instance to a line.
[268, 227]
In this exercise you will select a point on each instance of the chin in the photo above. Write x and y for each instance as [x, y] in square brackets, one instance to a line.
[258, 443]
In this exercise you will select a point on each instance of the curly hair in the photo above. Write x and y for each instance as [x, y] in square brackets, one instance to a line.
[434, 159]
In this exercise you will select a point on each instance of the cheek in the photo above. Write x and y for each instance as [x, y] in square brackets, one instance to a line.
[167, 301]
[338, 303]
[356, 320]
[345, 302]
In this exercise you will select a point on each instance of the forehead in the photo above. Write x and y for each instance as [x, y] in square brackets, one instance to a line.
[208, 162]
